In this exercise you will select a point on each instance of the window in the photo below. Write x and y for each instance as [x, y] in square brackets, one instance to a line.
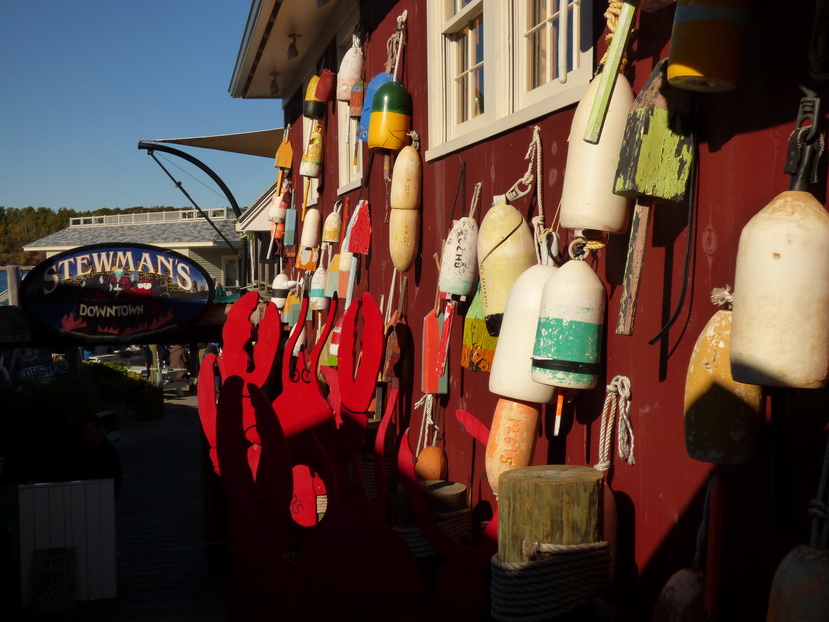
[309, 184]
[349, 149]
[230, 271]
[503, 63]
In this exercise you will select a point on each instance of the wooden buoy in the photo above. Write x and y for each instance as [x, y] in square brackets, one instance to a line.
[391, 118]
[654, 166]
[567, 345]
[554, 504]
[351, 70]
[587, 199]
[326, 86]
[800, 588]
[505, 250]
[723, 417]
[404, 216]
[312, 158]
[779, 333]
[459, 261]
[511, 373]
[512, 437]
[332, 226]
[430, 381]
[431, 463]
[707, 44]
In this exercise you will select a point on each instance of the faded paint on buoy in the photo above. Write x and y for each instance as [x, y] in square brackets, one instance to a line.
[779, 333]
[512, 437]
[459, 262]
[569, 335]
[317, 298]
[312, 158]
[722, 416]
[511, 373]
[587, 199]
[505, 250]
[351, 70]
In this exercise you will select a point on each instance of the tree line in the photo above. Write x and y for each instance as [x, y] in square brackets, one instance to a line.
[21, 226]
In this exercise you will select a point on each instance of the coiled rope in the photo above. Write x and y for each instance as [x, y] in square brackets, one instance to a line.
[617, 399]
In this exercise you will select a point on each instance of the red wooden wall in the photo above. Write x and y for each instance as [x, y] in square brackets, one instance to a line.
[742, 138]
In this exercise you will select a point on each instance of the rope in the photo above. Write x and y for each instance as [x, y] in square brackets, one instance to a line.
[399, 40]
[581, 247]
[818, 509]
[476, 199]
[611, 15]
[540, 590]
[616, 399]
[461, 181]
[387, 318]
[427, 402]
[722, 296]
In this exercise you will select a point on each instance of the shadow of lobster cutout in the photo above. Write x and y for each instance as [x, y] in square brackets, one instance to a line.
[299, 443]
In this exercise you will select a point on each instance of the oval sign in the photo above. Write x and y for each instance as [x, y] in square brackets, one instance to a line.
[116, 293]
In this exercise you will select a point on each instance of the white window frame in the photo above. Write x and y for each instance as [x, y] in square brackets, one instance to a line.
[349, 173]
[314, 182]
[507, 101]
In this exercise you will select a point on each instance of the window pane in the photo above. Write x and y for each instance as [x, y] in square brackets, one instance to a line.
[469, 76]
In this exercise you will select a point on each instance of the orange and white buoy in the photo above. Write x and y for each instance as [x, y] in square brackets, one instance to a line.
[512, 438]
[779, 333]
[505, 250]
[587, 199]
[351, 70]
[707, 44]
[404, 200]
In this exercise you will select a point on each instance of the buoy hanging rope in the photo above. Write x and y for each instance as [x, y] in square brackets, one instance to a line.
[394, 45]
[617, 399]
[819, 507]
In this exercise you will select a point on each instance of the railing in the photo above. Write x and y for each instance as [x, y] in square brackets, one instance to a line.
[188, 215]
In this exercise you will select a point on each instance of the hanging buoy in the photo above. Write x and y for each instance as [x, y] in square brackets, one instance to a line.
[478, 345]
[312, 158]
[568, 339]
[368, 102]
[351, 70]
[587, 199]
[311, 229]
[431, 464]
[317, 298]
[346, 258]
[779, 333]
[391, 118]
[512, 437]
[404, 199]
[722, 417]
[511, 373]
[459, 262]
[707, 44]
[505, 250]
[312, 107]
[430, 382]
[333, 224]
[357, 101]
[332, 282]
[280, 287]
[326, 86]
[800, 588]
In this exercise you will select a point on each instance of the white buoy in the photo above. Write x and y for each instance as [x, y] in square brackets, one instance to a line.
[351, 70]
[511, 372]
[312, 158]
[316, 295]
[459, 263]
[404, 200]
[505, 250]
[311, 229]
[569, 335]
[332, 226]
[587, 199]
[779, 332]
[280, 287]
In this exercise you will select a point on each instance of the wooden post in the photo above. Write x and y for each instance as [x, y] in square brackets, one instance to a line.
[553, 504]
[13, 279]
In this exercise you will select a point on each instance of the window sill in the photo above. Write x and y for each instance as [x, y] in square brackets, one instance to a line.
[348, 187]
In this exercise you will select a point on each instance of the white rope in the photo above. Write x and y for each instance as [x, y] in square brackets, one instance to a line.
[617, 398]
[722, 296]
[389, 305]
[476, 199]
[401, 40]
[426, 402]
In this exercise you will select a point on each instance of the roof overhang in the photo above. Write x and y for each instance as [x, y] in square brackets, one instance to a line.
[52, 250]
[263, 143]
[263, 53]
[255, 217]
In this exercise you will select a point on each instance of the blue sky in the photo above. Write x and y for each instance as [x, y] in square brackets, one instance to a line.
[84, 81]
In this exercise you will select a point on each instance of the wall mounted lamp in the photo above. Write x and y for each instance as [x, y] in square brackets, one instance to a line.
[293, 51]
[274, 85]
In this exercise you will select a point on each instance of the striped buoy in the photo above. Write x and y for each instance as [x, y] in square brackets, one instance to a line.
[568, 339]
[478, 345]
[391, 118]
[511, 373]
[587, 199]
[505, 250]
[351, 70]
[707, 44]
[779, 333]
[280, 287]
[312, 107]
[722, 416]
[316, 295]
[404, 200]
[512, 438]
[459, 262]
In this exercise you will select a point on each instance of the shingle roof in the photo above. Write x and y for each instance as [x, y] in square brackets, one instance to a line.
[175, 234]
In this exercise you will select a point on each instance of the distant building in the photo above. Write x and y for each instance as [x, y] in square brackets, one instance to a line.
[214, 246]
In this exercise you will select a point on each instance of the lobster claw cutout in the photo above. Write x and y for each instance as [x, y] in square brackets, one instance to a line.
[357, 372]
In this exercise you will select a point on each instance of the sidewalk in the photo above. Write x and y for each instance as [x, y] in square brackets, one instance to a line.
[163, 565]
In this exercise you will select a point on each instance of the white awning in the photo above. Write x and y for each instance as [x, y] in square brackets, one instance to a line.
[262, 143]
